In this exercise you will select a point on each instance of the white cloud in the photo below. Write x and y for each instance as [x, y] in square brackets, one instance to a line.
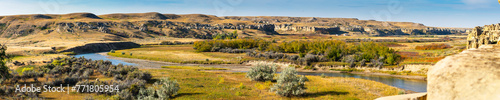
[476, 2]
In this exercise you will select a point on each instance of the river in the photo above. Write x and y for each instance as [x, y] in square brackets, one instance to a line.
[408, 84]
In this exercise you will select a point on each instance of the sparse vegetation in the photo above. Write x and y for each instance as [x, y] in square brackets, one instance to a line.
[433, 47]
[174, 43]
[222, 36]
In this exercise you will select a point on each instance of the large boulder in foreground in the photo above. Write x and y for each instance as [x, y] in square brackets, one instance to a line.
[473, 74]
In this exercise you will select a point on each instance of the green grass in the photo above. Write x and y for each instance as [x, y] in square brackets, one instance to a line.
[68, 53]
[20, 69]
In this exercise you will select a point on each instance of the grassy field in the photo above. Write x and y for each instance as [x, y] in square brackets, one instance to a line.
[223, 85]
[197, 84]
[186, 54]
[412, 56]
[179, 54]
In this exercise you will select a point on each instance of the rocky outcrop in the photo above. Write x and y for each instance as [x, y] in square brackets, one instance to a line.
[102, 47]
[306, 29]
[488, 34]
[473, 74]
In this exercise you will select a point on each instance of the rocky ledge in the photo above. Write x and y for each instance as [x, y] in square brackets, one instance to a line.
[473, 74]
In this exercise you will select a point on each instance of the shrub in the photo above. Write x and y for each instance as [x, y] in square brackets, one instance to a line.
[219, 36]
[7, 91]
[350, 60]
[147, 94]
[207, 46]
[262, 72]
[71, 80]
[139, 74]
[166, 88]
[55, 82]
[289, 84]
[302, 54]
[112, 51]
[125, 95]
[362, 63]
[174, 43]
[311, 58]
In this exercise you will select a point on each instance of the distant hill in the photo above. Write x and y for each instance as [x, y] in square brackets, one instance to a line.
[113, 27]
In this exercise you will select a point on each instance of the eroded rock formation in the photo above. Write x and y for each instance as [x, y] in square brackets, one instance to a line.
[488, 34]
[143, 25]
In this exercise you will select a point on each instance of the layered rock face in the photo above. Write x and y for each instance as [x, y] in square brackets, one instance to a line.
[488, 34]
[143, 25]
[306, 29]
[473, 74]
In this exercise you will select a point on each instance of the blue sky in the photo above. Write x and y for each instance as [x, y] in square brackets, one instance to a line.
[439, 13]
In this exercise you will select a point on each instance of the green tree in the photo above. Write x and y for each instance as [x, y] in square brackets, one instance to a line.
[4, 70]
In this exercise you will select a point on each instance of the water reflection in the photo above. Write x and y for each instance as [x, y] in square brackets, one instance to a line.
[414, 85]
[95, 56]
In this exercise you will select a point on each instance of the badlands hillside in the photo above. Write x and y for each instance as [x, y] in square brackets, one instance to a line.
[68, 30]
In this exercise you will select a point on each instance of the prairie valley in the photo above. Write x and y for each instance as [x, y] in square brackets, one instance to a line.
[158, 55]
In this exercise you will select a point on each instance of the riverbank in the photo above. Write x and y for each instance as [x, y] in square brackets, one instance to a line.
[150, 64]
[408, 83]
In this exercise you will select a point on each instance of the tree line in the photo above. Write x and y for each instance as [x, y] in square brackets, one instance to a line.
[332, 50]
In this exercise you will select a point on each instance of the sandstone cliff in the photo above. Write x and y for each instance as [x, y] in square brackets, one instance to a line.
[488, 34]
[473, 74]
